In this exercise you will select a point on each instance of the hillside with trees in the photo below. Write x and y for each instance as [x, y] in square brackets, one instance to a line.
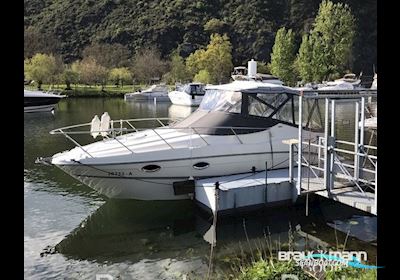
[67, 27]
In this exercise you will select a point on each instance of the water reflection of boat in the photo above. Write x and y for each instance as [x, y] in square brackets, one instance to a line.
[136, 230]
[179, 112]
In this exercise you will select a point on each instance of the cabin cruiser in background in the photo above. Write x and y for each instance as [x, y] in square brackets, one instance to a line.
[39, 101]
[160, 92]
[241, 73]
[237, 128]
[349, 81]
[188, 95]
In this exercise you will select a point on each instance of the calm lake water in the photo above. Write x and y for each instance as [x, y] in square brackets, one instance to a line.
[71, 232]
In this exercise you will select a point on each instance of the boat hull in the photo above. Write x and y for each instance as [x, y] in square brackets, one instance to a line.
[36, 101]
[147, 97]
[149, 168]
[184, 99]
[127, 181]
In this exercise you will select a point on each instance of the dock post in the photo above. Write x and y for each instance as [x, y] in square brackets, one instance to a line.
[362, 129]
[356, 142]
[291, 165]
[300, 145]
[332, 142]
[326, 159]
[376, 189]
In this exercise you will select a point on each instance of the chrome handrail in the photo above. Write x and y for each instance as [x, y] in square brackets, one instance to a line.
[114, 131]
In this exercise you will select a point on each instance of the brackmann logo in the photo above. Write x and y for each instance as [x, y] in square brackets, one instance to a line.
[322, 260]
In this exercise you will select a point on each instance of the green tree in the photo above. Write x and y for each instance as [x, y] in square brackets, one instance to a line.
[215, 26]
[41, 68]
[178, 71]
[283, 56]
[304, 59]
[263, 67]
[335, 25]
[90, 72]
[120, 76]
[148, 65]
[203, 77]
[216, 59]
[70, 76]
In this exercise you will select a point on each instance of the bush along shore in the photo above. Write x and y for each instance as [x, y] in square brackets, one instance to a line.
[257, 259]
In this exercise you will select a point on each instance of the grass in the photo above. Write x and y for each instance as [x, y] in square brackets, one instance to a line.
[91, 91]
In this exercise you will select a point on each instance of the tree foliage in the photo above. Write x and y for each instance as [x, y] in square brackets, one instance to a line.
[70, 76]
[178, 71]
[120, 76]
[327, 51]
[91, 72]
[186, 25]
[108, 55]
[203, 77]
[41, 68]
[283, 56]
[36, 41]
[148, 65]
[216, 59]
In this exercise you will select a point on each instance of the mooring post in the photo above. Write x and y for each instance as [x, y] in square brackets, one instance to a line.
[362, 128]
[356, 142]
[332, 146]
[326, 153]
[300, 145]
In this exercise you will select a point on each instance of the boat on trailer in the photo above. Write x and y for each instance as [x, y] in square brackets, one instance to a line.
[39, 101]
[238, 127]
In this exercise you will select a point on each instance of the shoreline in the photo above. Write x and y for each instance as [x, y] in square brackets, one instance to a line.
[93, 91]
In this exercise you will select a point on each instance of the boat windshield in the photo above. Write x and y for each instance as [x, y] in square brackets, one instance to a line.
[279, 106]
[195, 89]
[221, 100]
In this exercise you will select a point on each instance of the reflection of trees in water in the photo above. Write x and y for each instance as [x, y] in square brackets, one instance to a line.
[134, 230]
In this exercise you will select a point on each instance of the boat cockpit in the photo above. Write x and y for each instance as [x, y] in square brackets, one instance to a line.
[254, 106]
[193, 89]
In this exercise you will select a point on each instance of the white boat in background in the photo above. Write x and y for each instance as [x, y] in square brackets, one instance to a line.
[39, 101]
[188, 95]
[238, 127]
[158, 92]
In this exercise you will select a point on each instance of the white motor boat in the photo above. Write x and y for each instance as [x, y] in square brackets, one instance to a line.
[188, 95]
[240, 73]
[39, 101]
[158, 92]
[238, 127]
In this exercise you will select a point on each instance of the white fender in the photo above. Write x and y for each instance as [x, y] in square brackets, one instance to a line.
[105, 124]
[95, 126]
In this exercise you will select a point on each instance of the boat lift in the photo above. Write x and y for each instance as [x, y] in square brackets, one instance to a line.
[331, 175]
[355, 183]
